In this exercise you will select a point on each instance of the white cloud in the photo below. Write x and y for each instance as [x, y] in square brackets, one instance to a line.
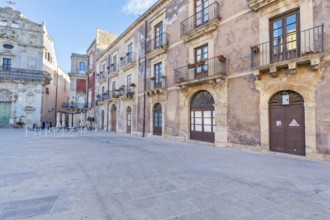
[137, 7]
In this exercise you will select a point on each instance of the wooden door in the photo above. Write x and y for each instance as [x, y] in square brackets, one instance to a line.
[287, 125]
[5, 112]
[113, 118]
[202, 120]
[157, 120]
[129, 120]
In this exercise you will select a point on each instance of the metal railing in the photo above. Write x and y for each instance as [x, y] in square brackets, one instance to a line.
[76, 105]
[287, 47]
[201, 70]
[114, 68]
[152, 83]
[201, 18]
[160, 41]
[9, 73]
[128, 59]
[108, 95]
[102, 76]
[126, 90]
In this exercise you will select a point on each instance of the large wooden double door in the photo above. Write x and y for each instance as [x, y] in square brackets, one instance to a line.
[287, 124]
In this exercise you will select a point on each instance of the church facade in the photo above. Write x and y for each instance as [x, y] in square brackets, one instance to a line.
[29, 75]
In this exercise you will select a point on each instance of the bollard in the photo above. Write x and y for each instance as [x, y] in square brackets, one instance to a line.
[26, 131]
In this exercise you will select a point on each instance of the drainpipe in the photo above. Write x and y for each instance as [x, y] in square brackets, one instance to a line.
[145, 79]
[56, 72]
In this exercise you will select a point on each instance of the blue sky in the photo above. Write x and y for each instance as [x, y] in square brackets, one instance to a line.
[72, 23]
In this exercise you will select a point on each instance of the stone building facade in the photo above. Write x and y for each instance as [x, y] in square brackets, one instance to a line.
[245, 74]
[28, 70]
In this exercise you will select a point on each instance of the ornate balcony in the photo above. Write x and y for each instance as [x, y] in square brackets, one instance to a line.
[304, 47]
[16, 74]
[126, 92]
[201, 23]
[73, 105]
[211, 71]
[108, 96]
[102, 76]
[157, 46]
[128, 61]
[113, 69]
[154, 86]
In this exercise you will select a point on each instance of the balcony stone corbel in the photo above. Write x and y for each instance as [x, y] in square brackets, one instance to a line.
[315, 63]
[257, 74]
[273, 71]
[292, 67]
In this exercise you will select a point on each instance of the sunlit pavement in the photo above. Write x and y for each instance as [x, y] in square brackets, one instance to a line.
[88, 175]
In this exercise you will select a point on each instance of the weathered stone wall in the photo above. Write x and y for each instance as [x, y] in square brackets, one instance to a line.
[243, 111]
[321, 16]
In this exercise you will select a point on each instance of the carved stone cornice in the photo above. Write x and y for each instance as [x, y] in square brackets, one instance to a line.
[257, 4]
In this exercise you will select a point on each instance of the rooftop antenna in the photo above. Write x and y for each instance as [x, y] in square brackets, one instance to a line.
[11, 3]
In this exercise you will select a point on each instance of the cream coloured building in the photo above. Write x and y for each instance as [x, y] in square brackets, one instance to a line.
[242, 74]
[29, 74]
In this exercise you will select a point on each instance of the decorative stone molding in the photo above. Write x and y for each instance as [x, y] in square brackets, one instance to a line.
[257, 4]
[292, 67]
[5, 96]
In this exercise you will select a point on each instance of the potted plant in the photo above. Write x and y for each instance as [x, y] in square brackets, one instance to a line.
[201, 62]
[191, 65]
[121, 58]
[20, 124]
[128, 53]
[91, 120]
[255, 49]
[152, 78]
[132, 85]
[221, 58]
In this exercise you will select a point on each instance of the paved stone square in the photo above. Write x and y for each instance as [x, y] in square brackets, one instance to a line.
[112, 176]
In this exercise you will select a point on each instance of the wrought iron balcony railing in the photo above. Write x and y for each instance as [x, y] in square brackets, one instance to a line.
[287, 47]
[160, 41]
[202, 70]
[102, 76]
[129, 59]
[9, 73]
[108, 95]
[153, 83]
[201, 18]
[114, 68]
[76, 105]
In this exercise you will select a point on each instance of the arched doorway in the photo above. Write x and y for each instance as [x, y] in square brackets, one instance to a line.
[102, 119]
[158, 120]
[287, 123]
[129, 120]
[113, 118]
[202, 121]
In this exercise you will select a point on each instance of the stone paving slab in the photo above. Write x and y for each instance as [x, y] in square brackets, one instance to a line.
[103, 176]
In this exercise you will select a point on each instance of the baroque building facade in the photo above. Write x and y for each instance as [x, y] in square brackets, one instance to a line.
[29, 75]
[244, 74]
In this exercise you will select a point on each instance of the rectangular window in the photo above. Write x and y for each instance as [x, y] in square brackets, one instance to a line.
[159, 35]
[130, 52]
[129, 82]
[6, 63]
[113, 88]
[284, 37]
[201, 12]
[114, 63]
[201, 60]
[158, 69]
[82, 66]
